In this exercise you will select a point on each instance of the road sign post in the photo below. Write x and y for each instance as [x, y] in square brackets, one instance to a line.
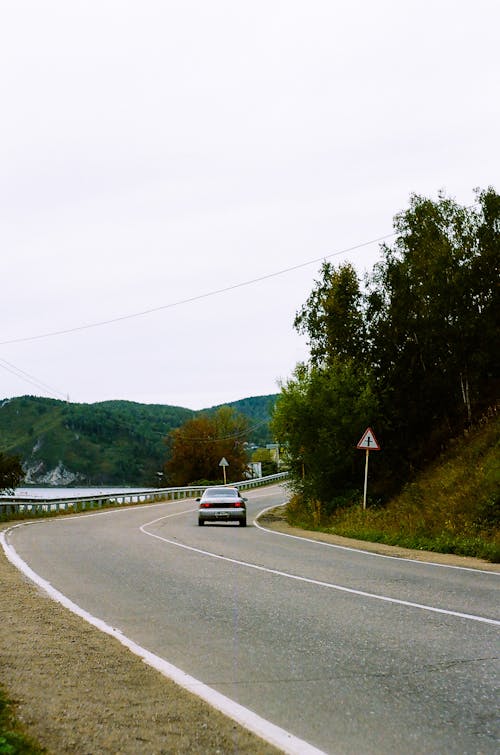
[224, 463]
[369, 443]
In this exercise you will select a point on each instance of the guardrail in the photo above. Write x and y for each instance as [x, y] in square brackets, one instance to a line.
[11, 505]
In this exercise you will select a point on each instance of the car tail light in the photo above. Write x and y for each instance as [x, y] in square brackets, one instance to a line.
[238, 505]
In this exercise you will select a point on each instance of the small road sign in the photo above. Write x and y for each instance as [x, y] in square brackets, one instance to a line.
[224, 463]
[368, 441]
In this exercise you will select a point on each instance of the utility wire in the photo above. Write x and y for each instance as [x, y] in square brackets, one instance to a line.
[9, 367]
[207, 294]
[235, 436]
[199, 297]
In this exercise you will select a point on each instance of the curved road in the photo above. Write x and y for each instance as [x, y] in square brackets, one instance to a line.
[349, 651]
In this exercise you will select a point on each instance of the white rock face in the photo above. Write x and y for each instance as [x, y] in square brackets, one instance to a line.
[59, 476]
[31, 471]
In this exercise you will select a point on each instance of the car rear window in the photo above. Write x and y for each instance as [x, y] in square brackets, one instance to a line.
[221, 493]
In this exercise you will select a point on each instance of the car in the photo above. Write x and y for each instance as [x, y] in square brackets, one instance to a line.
[222, 504]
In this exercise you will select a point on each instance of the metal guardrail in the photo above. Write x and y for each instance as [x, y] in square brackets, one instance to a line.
[38, 506]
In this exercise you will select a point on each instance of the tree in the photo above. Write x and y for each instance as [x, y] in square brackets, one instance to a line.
[332, 316]
[319, 416]
[197, 447]
[324, 408]
[433, 320]
[11, 473]
[418, 348]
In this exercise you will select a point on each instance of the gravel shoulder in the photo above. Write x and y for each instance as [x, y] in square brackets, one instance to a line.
[77, 690]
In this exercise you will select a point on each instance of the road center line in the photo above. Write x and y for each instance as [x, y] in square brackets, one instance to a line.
[319, 583]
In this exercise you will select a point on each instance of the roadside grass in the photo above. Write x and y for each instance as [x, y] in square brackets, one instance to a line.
[451, 507]
[13, 740]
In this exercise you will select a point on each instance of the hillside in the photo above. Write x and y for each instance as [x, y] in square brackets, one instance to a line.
[258, 410]
[452, 506]
[107, 443]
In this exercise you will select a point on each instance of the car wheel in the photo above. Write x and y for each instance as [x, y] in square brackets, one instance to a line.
[243, 522]
[201, 522]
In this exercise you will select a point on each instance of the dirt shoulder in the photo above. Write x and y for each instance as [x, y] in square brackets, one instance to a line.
[275, 520]
[78, 690]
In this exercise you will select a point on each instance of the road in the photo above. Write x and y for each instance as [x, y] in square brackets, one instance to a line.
[349, 651]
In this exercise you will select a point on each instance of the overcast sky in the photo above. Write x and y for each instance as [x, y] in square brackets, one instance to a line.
[155, 152]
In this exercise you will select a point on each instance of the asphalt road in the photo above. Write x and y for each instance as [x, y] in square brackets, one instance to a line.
[349, 651]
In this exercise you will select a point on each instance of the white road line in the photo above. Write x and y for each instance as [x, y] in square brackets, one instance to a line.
[266, 730]
[262, 728]
[364, 552]
[319, 583]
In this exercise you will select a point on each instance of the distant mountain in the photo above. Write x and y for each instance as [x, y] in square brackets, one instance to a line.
[106, 443]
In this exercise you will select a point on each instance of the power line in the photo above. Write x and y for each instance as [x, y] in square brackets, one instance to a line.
[199, 297]
[26, 376]
[234, 436]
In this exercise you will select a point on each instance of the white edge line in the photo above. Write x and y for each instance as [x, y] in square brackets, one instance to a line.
[360, 550]
[266, 730]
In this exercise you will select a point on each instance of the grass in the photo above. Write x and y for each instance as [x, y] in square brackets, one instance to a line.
[13, 740]
[452, 507]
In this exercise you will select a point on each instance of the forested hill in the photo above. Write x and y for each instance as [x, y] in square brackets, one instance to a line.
[106, 443]
[258, 410]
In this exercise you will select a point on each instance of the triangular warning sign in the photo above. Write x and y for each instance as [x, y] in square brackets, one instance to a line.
[368, 441]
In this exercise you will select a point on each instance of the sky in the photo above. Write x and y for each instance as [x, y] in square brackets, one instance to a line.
[173, 173]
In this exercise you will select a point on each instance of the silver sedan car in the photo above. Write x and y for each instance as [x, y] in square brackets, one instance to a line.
[222, 504]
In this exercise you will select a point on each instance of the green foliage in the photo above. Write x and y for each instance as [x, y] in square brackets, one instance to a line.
[414, 355]
[108, 443]
[319, 417]
[102, 444]
[451, 507]
[433, 307]
[332, 317]
[258, 410]
[12, 739]
[11, 473]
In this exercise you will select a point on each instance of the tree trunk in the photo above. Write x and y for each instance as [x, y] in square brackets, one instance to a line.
[464, 384]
